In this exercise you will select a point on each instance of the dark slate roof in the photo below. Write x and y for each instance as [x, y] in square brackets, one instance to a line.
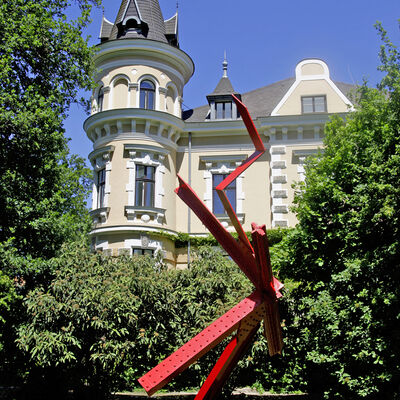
[260, 102]
[148, 13]
[224, 87]
[106, 28]
[171, 25]
[347, 89]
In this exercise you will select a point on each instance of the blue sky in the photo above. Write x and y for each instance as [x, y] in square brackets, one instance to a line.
[264, 41]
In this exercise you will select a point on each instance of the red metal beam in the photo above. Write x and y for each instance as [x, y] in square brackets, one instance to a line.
[272, 328]
[251, 128]
[211, 388]
[159, 376]
[239, 253]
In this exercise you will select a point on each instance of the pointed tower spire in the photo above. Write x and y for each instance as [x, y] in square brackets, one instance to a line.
[141, 19]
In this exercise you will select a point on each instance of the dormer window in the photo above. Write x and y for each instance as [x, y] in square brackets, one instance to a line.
[220, 100]
[131, 24]
[223, 110]
[313, 104]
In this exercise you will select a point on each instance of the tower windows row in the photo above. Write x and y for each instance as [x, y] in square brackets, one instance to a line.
[146, 95]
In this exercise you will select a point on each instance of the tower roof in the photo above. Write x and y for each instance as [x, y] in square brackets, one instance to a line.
[140, 19]
[224, 87]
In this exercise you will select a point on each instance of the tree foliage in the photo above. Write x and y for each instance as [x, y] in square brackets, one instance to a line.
[345, 251]
[106, 321]
[44, 61]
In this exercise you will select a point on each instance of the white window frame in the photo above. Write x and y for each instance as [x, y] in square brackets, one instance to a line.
[152, 79]
[222, 165]
[152, 157]
[101, 159]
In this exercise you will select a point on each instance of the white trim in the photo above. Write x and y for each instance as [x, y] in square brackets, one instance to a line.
[278, 179]
[101, 158]
[167, 54]
[126, 10]
[149, 156]
[154, 80]
[300, 78]
[223, 167]
[130, 228]
[102, 23]
[155, 245]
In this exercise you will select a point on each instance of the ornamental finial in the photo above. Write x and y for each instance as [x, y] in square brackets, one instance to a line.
[225, 66]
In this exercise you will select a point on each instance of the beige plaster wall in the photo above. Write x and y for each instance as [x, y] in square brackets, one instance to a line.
[119, 178]
[125, 93]
[255, 183]
[292, 105]
[312, 69]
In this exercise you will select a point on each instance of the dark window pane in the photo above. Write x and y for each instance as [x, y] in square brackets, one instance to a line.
[228, 110]
[148, 194]
[231, 195]
[217, 179]
[101, 185]
[150, 101]
[142, 99]
[146, 85]
[140, 171]
[142, 252]
[147, 91]
[230, 191]
[139, 193]
[220, 110]
[145, 186]
[307, 105]
[319, 104]
[100, 99]
[312, 104]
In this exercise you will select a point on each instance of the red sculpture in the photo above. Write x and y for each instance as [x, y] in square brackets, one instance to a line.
[254, 260]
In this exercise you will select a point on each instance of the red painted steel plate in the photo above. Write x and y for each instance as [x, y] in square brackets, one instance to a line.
[200, 344]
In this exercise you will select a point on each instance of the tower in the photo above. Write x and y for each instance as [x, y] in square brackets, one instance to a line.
[134, 125]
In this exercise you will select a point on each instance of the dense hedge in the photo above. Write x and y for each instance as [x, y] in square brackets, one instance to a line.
[106, 321]
[181, 239]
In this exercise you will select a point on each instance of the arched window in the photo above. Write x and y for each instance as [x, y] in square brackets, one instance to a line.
[147, 95]
[100, 99]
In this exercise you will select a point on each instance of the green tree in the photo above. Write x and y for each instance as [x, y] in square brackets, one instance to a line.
[44, 61]
[345, 252]
[103, 322]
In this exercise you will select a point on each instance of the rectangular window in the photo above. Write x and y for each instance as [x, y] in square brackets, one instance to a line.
[101, 187]
[230, 191]
[145, 186]
[142, 252]
[223, 110]
[313, 104]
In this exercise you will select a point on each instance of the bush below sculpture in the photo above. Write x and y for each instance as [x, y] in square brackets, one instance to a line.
[105, 321]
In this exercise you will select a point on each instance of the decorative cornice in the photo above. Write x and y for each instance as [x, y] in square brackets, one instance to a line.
[144, 50]
[147, 148]
[101, 152]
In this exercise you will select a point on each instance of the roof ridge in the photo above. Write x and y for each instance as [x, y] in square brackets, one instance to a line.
[270, 84]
